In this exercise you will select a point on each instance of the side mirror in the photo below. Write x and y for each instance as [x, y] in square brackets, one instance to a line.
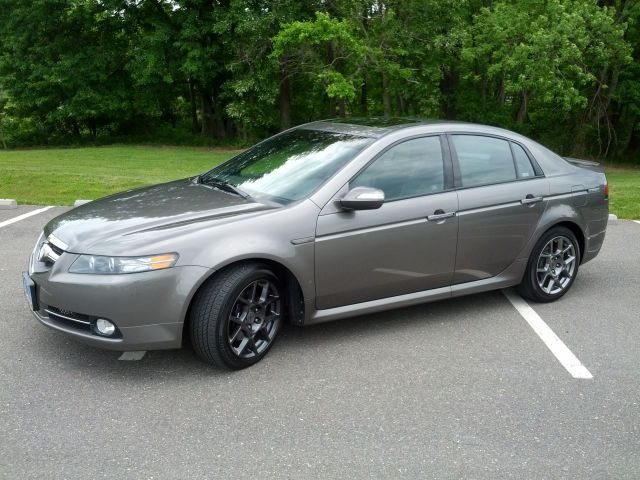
[362, 198]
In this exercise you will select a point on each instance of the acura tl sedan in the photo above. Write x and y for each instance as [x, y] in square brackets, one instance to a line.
[324, 221]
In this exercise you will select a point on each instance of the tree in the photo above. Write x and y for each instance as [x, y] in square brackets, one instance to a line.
[545, 64]
[61, 63]
[563, 71]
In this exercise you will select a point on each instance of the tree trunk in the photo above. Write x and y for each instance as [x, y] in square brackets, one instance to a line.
[522, 111]
[364, 108]
[218, 118]
[208, 121]
[75, 128]
[447, 88]
[502, 94]
[285, 100]
[4, 143]
[400, 104]
[342, 107]
[386, 97]
[194, 109]
[93, 128]
[626, 124]
[484, 93]
[212, 121]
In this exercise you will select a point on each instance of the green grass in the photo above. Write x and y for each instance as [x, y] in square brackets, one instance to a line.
[60, 176]
[624, 191]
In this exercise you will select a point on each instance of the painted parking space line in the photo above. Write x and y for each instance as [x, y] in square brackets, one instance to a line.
[132, 356]
[565, 356]
[23, 216]
[637, 221]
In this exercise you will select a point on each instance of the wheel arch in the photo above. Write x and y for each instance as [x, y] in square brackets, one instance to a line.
[558, 215]
[576, 230]
[294, 299]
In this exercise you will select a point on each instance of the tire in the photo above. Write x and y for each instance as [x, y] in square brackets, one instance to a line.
[543, 280]
[229, 325]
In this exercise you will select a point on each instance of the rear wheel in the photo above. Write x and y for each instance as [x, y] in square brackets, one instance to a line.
[236, 316]
[553, 266]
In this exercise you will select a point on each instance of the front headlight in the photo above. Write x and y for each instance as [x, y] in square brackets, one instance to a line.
[114, 265]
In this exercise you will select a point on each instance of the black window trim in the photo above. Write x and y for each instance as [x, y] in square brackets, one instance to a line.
[447, 164]
[536, 168]
[456, 164]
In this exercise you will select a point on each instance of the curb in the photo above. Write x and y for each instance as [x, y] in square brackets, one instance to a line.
[613, 216]
[8, 204]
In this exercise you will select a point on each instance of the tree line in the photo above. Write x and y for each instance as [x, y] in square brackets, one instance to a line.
[566, 72]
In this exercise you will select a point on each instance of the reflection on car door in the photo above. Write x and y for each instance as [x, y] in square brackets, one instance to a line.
[501, 196]
[372, 254]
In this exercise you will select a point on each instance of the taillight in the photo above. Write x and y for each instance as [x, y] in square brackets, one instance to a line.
[606, 190]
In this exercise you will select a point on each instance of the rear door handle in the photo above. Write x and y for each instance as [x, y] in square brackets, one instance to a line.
[529, 199]
[440, 215]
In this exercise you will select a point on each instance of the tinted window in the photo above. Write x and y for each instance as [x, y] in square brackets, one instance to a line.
[523, 164]
[289, 166]
[483, 160]
[408, 169]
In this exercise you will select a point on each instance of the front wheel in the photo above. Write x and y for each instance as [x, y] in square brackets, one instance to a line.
[236, 316]
[552, 267]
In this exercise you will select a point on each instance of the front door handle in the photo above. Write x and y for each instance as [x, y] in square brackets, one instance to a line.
[529, 199]
[440, 215]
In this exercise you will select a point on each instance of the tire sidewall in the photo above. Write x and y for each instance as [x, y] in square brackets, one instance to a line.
[533, 263]
[222, 324]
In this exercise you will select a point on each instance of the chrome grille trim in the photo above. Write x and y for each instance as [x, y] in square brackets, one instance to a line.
[56, 250]
[47, 254]
[59, 315]
[56, 242]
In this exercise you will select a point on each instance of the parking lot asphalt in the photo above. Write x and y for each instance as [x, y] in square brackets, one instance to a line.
[461, 388]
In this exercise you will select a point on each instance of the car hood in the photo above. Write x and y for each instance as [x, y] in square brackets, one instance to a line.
[146, 211]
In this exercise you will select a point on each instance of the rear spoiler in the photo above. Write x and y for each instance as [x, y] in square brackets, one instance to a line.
[588, 164]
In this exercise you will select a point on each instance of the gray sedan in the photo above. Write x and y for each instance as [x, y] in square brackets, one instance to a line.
[324, 221]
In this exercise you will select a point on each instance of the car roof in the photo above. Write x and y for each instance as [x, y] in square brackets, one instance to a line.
[377, 127]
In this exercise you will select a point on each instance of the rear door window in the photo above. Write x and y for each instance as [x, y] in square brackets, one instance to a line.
[523, 164]
[483, 160]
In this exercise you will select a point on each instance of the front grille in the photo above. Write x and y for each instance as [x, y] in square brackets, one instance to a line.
[74, 320]
[58, 251]
[48, 253]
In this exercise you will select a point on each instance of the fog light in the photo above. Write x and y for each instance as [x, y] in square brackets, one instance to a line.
[105, 327]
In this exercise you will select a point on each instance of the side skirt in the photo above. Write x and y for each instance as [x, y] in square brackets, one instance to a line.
[512, 275]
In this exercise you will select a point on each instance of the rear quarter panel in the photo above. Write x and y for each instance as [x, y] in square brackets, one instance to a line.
[577, 196]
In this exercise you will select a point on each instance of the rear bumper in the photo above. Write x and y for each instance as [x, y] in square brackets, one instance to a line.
[147, 308]
[595, 233]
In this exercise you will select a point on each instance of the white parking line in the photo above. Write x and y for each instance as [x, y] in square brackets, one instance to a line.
[132, 356]
[23, 216]
[550, 339]
[637, 221]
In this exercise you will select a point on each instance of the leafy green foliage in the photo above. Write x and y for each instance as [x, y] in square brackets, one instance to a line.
[544, 64]
[563, 71]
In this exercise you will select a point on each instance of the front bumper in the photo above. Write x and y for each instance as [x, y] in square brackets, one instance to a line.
[147, 308]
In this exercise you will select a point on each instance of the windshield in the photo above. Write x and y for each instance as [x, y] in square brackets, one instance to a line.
[290, 166]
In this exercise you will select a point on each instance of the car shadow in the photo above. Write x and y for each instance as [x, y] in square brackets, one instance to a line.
[294, 343]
